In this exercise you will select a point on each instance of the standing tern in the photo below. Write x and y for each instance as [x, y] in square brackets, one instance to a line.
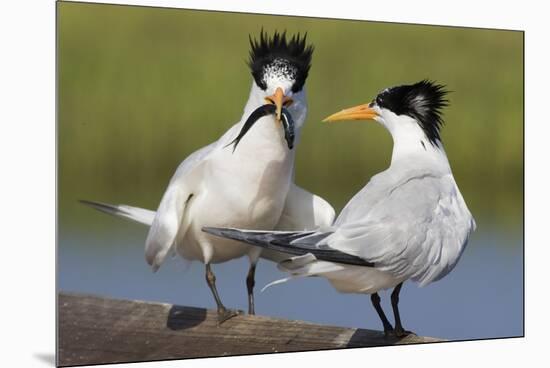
[409, 222]
[245, 179]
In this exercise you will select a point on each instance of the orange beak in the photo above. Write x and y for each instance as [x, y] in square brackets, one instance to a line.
[360, 112]
[279, 100]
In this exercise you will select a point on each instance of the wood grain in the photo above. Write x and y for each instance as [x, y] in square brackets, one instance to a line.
[94, 330]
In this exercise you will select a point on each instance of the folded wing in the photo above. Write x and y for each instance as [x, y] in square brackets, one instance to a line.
[417, 230]
[168, 217]
[292, 243]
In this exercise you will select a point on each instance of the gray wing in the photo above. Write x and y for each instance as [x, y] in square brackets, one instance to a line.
[417, 229]
[289, 243]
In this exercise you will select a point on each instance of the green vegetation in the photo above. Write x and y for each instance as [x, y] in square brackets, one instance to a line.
[141, 88]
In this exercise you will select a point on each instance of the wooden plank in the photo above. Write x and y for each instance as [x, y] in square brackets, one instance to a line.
[94, 330]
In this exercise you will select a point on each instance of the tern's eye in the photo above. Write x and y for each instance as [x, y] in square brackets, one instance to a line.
[378, 100]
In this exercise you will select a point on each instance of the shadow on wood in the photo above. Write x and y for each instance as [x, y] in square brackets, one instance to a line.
[94, 330]
[180, 318]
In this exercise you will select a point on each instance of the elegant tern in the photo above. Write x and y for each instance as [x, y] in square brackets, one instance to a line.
[409, 222]
[244, 179]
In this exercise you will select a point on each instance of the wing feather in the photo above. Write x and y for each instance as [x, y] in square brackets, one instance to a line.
[290, 243]
[168, 217]
[417, 230]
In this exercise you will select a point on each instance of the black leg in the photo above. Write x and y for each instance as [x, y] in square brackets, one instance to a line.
[399, 330]
[223, 313]
[375, 299]
[250, 287]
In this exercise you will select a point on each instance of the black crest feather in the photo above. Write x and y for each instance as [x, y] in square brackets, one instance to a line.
[422, 101]
[295, 52]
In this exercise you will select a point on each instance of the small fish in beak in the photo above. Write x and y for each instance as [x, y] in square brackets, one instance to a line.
[260, 112]
[276, 105]
[288, 126]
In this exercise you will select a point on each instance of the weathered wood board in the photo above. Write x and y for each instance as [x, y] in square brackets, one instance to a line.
[95, 330]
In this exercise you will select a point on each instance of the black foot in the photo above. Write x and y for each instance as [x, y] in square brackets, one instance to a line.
[225, 314]
[401, 332]
[404, 333]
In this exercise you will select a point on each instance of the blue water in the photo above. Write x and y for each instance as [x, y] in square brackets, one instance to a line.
[481, 298]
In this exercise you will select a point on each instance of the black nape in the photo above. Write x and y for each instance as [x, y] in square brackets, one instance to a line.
[422, 101]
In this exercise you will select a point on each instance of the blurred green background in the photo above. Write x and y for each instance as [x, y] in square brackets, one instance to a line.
[139, 89]
[142, 88]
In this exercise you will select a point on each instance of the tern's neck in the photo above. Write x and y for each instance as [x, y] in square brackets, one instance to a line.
[409, 141]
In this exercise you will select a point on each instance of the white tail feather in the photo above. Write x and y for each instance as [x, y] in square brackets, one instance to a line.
[136, 214]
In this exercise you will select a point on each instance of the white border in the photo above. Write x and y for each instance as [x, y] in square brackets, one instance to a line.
[27, 143]
[465, 13]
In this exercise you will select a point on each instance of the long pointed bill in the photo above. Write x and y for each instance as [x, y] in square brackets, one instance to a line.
[279, 100]
[361, 112]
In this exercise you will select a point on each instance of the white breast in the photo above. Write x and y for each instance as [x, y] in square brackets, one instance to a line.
[246, 189]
